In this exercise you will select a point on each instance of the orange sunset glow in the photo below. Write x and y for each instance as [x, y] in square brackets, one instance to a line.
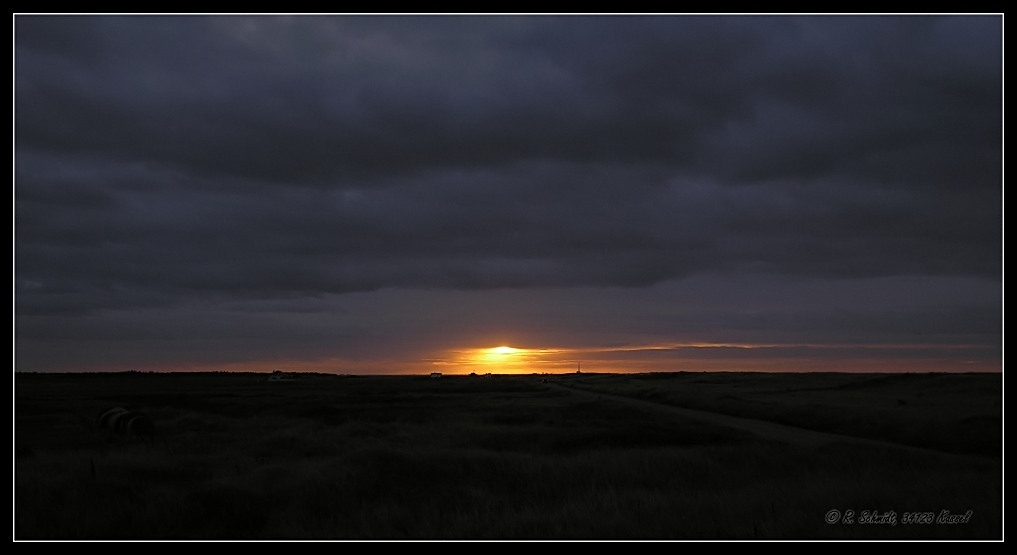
[698, 356]
[505, 359]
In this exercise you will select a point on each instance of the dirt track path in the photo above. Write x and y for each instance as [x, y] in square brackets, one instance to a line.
[760, 428]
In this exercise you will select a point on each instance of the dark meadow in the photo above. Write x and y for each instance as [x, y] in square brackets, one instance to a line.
[238, 456]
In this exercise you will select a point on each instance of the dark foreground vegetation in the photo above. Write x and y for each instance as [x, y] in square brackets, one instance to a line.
[234, 456]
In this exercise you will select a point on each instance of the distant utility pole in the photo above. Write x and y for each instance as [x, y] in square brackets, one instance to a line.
[579, 367]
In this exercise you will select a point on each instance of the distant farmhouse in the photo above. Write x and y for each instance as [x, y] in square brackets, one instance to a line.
[435, 375]
[280, 376]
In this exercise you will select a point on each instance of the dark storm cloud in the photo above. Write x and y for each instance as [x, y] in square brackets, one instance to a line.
[165, 159]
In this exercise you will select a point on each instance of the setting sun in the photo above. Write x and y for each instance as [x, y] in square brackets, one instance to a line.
[504, 359]
[500, 354]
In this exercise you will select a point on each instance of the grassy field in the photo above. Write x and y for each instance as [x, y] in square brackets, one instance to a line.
[959, 413]
[505, 458]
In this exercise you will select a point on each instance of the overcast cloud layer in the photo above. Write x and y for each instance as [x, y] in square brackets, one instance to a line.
[234, 190]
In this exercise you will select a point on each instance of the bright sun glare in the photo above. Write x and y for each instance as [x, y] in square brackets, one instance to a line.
[501, 358]
[507, 360]
[500, 355]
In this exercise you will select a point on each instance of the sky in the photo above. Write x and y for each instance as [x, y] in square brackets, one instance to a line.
[508, 193]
